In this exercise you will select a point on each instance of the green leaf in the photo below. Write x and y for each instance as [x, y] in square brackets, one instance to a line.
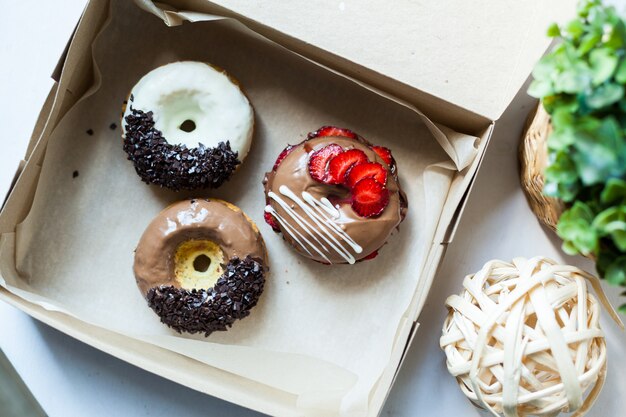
[584, 7]
[595, 161]
[563, 134]
[562, 168]
[575, 229]
[569, 248]
[614, 190]
[579, 210]
[562, 139]
[554, 31]
[574, 78]
[615, 36]
[612, 222]
[561, 177]
[545, 67]
[588, 42]
[599, 155]
[570, 82]
[616, 272]
[575, 28]
[606, 217]
[587, 123]
[620, 73]
[603, 63]
[540, 88]
[622, 309]
[562, 118]
[604, 96]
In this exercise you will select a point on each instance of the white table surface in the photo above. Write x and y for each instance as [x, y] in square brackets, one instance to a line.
[70, 378]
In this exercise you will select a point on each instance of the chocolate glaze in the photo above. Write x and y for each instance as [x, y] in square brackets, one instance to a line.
[215, 220]
[369, 233]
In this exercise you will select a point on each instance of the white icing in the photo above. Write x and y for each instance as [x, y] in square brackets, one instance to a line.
[171, 227]
[187, 217]
[319, 224]
[195, 91]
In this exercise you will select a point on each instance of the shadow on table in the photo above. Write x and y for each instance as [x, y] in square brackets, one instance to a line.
[113, 380]
[16, 399]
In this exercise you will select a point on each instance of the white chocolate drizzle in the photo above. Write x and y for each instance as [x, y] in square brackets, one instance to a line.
[321, 231]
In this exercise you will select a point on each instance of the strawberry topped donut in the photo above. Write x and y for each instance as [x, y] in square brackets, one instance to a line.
[335, 197]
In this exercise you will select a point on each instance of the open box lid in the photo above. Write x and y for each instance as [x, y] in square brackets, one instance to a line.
[475, 55]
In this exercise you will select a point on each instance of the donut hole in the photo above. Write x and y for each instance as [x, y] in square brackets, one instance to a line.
[198, 263]
[188, 126]
[182, 118]
[201, 263]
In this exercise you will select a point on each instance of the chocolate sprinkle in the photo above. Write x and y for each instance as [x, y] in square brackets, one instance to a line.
[90, 132]
[214, 309]
[175, 166]
[112, 126]
[74, 174]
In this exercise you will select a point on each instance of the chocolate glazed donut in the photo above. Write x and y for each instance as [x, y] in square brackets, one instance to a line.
[201, 265]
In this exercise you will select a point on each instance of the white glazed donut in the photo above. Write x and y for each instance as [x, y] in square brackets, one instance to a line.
[187, 109]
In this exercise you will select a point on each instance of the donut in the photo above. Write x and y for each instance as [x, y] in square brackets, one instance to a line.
[201, 265]
[186, 125]
[334, 197]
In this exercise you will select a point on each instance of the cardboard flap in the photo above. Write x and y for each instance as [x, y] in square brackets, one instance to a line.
[474, 54]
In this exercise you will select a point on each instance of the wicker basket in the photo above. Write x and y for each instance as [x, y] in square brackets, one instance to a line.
[533, 156]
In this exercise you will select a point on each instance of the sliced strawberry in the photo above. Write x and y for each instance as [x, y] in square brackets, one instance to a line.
[370, 256]
[332, 131]
[318, 161]
[282, 156]
[269, 219]
[384, 153]
[369, 197]
[339, 166]
[367, 170]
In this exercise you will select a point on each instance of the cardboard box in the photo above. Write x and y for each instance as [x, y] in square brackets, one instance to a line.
[445, 59]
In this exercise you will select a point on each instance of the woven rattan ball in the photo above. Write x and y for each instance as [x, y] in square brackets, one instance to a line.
[524, 338]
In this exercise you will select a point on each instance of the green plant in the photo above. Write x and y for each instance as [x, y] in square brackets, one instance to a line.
[581, 84]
